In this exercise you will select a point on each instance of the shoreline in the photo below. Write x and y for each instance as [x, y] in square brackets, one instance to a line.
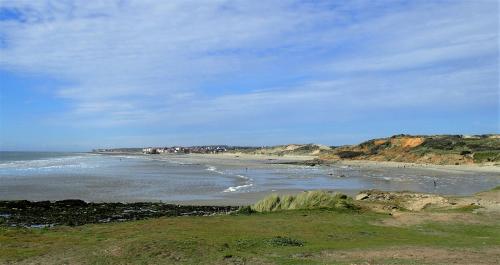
[236, 163]
[448, 168]
[307, 158]
[71, 212]
[311, 160]
[359, 163]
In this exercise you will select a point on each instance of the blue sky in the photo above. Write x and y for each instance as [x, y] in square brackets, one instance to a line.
[76, 75]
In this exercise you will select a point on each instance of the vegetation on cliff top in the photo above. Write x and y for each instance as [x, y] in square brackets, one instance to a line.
[433, 149]
[439, 149]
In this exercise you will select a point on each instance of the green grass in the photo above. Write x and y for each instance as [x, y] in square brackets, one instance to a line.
[483, 148]
[283, 237]
[304, 201]
[487, 156]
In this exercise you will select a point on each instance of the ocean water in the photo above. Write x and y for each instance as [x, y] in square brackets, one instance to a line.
[95, 177]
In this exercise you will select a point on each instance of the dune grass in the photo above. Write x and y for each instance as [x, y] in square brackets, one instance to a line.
[304, 201]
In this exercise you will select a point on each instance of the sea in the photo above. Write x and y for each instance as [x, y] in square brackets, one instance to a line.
[188, 178]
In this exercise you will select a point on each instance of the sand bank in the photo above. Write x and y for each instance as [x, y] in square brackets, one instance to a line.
[447, 168]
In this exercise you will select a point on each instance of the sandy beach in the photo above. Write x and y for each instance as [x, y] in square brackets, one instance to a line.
[249, 159]
[357, 163]
[446, 168]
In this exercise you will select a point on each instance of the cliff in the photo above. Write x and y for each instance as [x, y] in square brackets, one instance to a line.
[435, 149]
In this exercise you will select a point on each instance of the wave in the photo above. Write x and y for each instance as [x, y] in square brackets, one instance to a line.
[402, 178]
[237, 188]
[243, 177]
[214, 169]
[174, 162]
[248, 184]
[129, 156]
[47, 164]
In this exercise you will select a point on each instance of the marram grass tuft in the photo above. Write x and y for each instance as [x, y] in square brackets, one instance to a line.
[304, 200]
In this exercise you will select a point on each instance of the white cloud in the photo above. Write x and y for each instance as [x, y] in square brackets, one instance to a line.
[140, 62]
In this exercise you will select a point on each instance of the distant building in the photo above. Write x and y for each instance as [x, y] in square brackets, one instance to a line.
[150, 150]
[209, 149]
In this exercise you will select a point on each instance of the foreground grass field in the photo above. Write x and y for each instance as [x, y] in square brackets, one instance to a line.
[283, 237]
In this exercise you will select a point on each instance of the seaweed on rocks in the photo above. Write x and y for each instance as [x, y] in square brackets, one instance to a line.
[77, 212]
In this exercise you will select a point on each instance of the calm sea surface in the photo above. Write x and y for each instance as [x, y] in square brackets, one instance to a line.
[94, 177]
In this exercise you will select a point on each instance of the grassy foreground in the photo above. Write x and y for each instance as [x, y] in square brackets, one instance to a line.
[283, 237]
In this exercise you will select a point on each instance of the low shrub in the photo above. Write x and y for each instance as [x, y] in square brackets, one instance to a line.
[285, 241]
[441, 143]
[483, 144]
[487, 156]
[349, 154]
[465, 152]
[245, 210]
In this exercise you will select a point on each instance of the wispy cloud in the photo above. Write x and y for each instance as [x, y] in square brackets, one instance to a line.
[144, 62]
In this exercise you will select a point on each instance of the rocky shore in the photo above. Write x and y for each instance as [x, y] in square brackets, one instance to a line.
[77, 212]
[383, 201]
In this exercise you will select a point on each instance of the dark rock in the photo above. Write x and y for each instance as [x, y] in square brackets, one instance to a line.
[77, 212]
[71, 202]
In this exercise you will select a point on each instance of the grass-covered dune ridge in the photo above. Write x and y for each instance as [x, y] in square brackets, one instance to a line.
[435, 149]
[432, 149]
[304, 201]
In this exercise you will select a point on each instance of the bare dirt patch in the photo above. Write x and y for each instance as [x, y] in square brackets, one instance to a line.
[485, 202]
[420, 255]
[412, 142]
[412, 218]
[114, 251]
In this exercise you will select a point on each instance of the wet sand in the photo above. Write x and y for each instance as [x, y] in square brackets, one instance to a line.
[235, 179]
[243, 160]
[444, 168]
[358, 163]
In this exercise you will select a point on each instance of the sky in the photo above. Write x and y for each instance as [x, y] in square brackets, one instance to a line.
[77, 75]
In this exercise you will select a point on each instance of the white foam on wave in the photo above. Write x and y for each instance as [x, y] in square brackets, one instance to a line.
[248, 184]
[175, 162]
[46, 164]
[243, 177]
[402, 178]
[128, 157]
[214, 169]
[237, 188]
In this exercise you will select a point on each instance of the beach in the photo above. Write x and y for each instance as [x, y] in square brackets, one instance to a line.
[221, 179]
[358, 163]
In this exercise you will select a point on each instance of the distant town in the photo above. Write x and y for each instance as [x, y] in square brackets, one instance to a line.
[203, 149]
[185, 150]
